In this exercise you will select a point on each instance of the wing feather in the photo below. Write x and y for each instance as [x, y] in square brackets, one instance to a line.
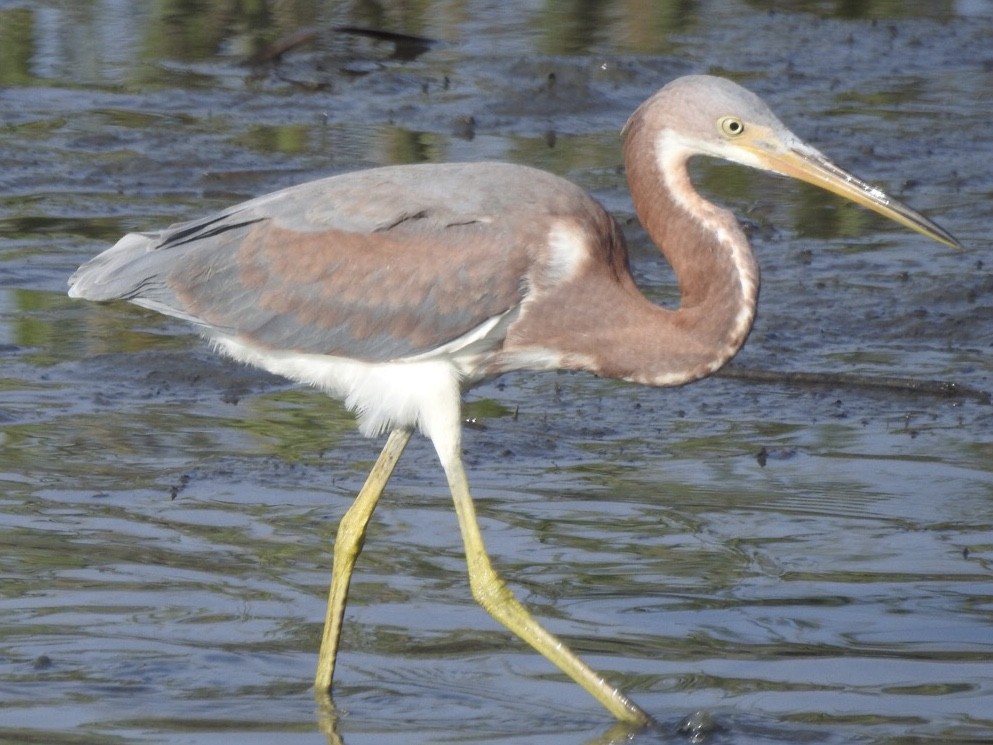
[374, 265]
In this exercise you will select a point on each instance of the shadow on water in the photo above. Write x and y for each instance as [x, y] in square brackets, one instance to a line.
[802, 563]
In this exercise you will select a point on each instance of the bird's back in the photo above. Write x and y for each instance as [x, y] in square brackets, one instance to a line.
[374, 265]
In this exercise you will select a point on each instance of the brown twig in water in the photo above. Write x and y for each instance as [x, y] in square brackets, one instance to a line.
[940, 388]
[405, 46]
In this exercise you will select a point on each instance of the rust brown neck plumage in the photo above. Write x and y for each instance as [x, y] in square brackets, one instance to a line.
[610, 328]
[710, 256]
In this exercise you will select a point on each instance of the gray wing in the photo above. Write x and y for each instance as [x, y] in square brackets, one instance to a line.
[374, 265]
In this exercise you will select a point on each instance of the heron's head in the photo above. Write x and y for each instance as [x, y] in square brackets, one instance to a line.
[707, 115]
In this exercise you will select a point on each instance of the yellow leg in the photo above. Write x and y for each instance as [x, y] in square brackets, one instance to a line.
[347, 545]
[492, 593]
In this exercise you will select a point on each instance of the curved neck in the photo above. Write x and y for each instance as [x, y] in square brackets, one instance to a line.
[710, 256]
[596, 319]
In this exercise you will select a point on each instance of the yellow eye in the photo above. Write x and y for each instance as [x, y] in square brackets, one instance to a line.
[732, 126]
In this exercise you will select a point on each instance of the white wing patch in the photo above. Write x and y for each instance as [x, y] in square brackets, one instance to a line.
[567, 253]
[465, 351]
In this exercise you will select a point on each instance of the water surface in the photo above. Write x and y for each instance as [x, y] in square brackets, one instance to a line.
[806, 563]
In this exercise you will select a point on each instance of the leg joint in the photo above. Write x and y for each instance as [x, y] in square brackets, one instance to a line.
[491, 592]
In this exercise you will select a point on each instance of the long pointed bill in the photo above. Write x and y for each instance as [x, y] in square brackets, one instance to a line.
[809, 165]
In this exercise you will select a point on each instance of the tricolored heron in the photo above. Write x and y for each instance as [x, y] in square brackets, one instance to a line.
[397, 288]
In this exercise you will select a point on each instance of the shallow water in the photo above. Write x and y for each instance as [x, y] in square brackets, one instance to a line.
[805, 563]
